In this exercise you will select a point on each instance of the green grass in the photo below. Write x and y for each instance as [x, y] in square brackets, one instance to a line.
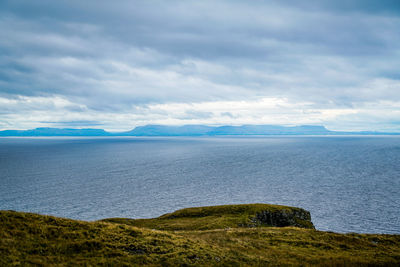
[219, 217]
[32, 239]
[27, 238]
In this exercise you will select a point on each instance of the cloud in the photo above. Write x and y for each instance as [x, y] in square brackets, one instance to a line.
[59, 112]
[136, 61]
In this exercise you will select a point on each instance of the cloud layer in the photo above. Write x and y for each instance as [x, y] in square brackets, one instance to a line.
[118, 65]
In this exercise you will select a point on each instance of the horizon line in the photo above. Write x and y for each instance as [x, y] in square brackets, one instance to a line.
[162, 130]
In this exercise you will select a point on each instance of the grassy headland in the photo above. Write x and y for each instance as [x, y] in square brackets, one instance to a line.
[221, 235]
[225, 216]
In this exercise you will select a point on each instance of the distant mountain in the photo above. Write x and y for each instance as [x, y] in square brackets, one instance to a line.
[190, 130]
[55, 132]
[268, 130]
[162, 130]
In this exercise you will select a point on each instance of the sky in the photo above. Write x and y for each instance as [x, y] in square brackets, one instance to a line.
[116, 65]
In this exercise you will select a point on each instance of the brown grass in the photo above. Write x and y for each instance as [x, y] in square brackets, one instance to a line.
[32, 239]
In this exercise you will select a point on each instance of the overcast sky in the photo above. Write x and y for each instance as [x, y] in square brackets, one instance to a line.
[119, 64]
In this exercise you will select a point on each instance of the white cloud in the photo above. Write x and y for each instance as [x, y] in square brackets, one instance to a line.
[57, 111]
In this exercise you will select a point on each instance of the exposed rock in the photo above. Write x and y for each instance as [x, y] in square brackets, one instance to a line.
[283, 217]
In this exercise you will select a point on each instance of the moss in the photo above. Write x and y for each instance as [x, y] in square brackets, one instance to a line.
[31, 239]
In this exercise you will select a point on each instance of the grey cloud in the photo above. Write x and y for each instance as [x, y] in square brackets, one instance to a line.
[368, 6]
[114, 57]
[78, 123]
[228, 114]
[194, 114]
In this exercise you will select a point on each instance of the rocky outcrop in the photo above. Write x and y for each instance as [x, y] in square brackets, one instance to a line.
[283, 217]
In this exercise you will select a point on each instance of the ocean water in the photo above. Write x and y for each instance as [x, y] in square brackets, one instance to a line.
[348, 183]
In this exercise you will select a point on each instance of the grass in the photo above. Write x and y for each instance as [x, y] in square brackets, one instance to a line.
[32, 239]
[225, 216]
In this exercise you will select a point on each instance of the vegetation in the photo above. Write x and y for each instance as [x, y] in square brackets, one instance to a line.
[32, 239]
[225, 216]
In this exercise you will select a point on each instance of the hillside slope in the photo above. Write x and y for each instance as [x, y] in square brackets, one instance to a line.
[32, 239]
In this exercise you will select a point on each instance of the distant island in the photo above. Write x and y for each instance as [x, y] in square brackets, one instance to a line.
[228, 235]
[192, 130]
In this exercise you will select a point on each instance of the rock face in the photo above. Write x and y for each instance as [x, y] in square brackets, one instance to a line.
[285, 217]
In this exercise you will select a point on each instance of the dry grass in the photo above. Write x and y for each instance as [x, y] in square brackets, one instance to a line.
[31, 239]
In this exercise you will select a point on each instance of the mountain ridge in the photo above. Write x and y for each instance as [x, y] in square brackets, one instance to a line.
[191, 130]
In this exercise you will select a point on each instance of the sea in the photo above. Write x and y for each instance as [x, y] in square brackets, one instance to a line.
[348, 183]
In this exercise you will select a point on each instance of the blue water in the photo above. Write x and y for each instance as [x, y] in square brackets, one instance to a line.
[349, 184]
